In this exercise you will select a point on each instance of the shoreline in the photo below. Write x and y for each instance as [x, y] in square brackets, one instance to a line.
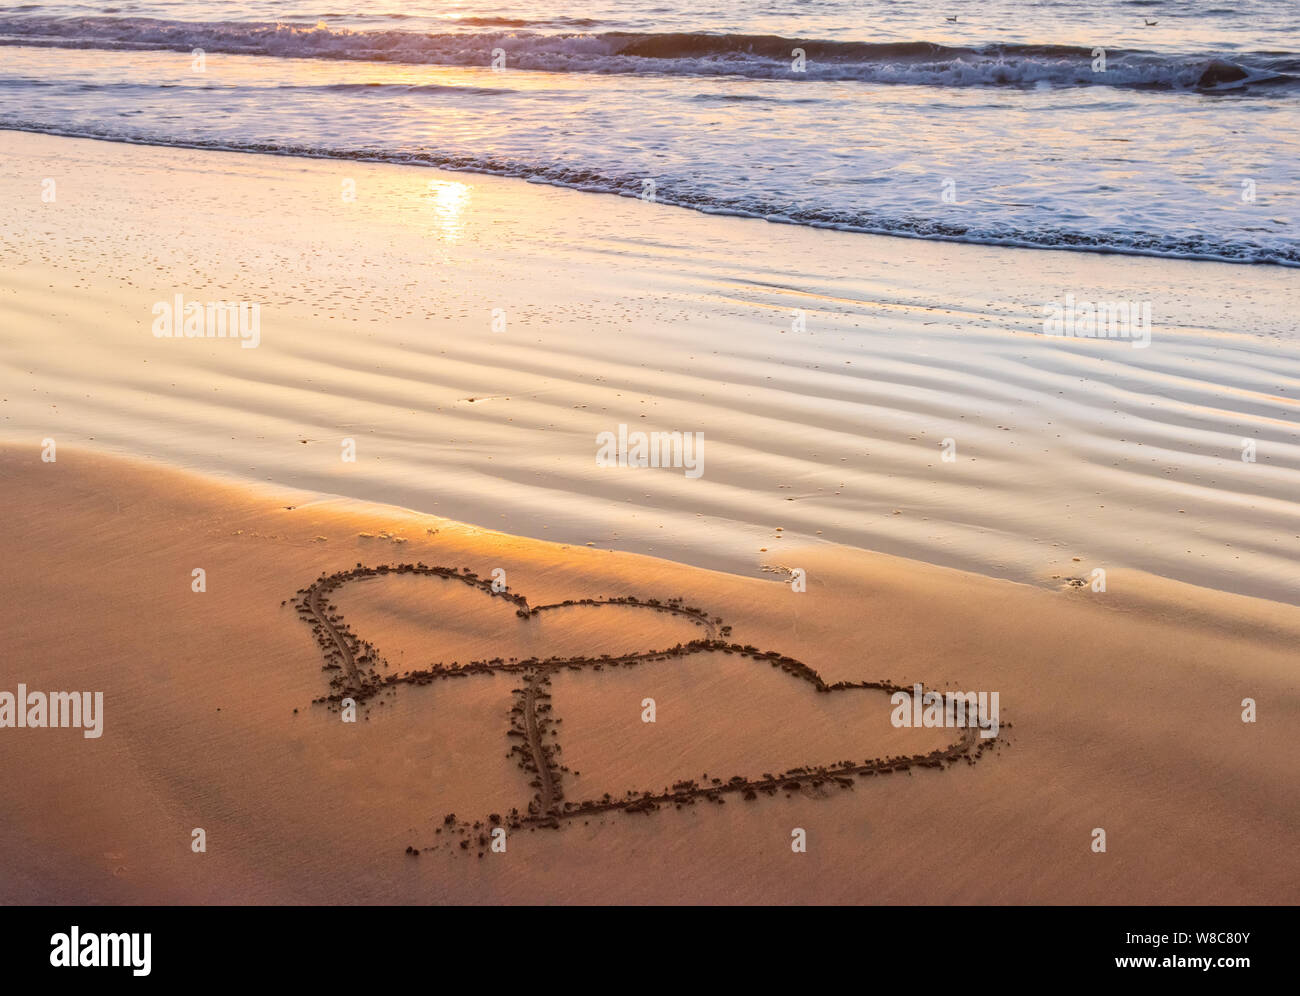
[447, 166]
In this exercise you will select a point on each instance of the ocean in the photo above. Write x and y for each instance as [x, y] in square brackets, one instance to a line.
[1076, 125]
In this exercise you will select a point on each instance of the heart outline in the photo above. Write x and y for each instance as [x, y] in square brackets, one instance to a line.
[338, 642]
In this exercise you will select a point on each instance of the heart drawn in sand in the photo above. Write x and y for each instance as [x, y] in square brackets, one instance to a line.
[354, 667]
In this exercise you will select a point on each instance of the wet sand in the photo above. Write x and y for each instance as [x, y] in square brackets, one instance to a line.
[1120, 710]
[473, 335]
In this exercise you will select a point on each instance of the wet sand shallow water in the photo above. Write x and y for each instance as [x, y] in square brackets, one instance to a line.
[824, 369]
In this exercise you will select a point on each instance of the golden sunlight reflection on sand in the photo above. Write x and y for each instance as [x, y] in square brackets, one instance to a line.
[449, 200]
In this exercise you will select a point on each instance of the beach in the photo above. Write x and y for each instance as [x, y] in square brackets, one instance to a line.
[904, 478]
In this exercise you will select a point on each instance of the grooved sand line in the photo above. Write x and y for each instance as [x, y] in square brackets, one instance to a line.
[346, 653]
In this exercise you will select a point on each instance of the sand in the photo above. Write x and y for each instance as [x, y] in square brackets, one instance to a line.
[1116, 713]
[826, 371]
[377, 326]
